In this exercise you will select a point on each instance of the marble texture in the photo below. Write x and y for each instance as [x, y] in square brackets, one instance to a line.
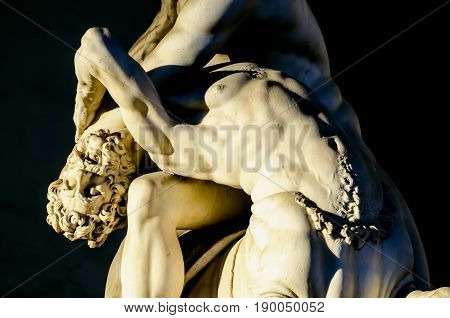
[326, 221]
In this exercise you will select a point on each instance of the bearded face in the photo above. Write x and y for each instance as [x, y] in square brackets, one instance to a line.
[89, 199]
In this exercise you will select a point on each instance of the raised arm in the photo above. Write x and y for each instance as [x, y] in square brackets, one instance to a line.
[201, 28]
[175, 148]
[199, 31]
[101, 59]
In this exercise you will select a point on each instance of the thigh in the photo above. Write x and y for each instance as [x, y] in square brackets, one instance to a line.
[189, 202]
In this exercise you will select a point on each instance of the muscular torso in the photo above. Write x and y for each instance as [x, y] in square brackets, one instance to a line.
[268, 139]
[263, 135]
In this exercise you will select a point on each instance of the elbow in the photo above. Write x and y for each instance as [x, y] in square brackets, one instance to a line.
[158, 145]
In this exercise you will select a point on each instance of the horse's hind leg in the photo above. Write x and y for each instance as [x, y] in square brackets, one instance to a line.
[277, 255]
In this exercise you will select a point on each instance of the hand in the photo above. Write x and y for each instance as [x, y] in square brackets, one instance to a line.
[90, 90]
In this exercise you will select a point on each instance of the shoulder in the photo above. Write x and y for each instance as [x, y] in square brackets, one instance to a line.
[208, 15]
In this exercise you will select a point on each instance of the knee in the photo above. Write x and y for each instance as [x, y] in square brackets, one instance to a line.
[94, 43]
[141, 193]
[144, 200]
[94, 36]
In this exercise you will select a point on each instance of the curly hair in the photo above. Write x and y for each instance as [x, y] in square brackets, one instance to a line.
[115, 164]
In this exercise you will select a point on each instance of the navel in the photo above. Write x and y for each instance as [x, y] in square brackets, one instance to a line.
[221, 87]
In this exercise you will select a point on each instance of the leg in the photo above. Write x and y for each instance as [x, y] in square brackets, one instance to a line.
[113, 283]
[159, 205]
[275, 257]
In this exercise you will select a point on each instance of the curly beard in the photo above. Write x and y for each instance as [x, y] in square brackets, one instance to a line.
[75, 226]
[116, 165]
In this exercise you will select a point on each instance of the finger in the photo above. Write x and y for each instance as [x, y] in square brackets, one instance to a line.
[80, 116]
[89, 94]
[78, 134]
[79, 131]
[87, 102]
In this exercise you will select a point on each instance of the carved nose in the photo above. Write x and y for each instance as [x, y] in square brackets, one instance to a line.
[78, 182]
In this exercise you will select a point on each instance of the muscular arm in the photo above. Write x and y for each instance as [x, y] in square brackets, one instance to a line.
[201, 28]
[101, 59]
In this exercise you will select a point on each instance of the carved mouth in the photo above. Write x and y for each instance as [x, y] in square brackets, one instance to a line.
[81, 204]
[87, 200]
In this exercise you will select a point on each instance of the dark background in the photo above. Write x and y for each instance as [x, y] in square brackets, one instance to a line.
[400, 94]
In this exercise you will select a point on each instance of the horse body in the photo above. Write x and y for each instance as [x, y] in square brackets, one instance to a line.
[310, 264]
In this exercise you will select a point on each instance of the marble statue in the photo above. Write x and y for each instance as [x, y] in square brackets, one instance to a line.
[268, 190]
